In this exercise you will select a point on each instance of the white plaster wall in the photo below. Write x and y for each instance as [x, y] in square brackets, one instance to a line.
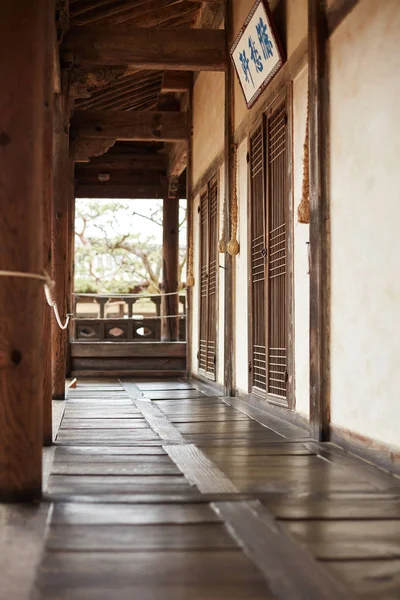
[365, 217]
[195, 293]
[208, 120]
[301, 237]
[221, 287]
[241, 277]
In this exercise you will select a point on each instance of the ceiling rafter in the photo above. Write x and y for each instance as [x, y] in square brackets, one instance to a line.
[112, 14]
[117, 95]
[113, 91]
[158, 14]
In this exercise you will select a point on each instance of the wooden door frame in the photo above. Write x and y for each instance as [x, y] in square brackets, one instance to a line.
[206, 188]
[217, 177]
[286, 92]
[203, 189]
[250, 337]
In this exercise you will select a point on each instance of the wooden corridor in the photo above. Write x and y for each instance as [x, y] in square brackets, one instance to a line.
[159, 491]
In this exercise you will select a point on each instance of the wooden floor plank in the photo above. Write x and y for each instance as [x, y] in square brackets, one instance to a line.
[348, 540]
[66, 452]
[136, 538]
[160, 424]
[199, 470]
[133, 514]
[339, 506]
[164, 490]
[74, 484]
[290, 572]
[152, 569]
[370, 580]
[94, 423]
[108, 468]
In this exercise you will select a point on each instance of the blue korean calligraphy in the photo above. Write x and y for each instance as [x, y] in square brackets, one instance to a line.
[266, 44]
[255, 56]
[245, 67]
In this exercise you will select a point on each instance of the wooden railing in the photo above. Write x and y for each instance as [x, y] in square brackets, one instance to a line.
[115, 318]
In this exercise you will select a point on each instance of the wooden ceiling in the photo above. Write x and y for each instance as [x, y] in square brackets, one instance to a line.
[123, 88]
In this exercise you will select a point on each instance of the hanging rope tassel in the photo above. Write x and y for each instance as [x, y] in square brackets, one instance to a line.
[233, 244]
[221, 243]
[48, 287]
[190, 276]
[303, 211]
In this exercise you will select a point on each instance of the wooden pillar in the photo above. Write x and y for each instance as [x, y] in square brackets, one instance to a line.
[71, 257]
[170, 304]
[61, 168]
[189, 228]
[47, 222]
[229, 346]
[318, 81]
[23, 39]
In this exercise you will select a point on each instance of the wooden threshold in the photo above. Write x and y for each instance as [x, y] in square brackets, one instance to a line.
[127, 349]
[128, 373]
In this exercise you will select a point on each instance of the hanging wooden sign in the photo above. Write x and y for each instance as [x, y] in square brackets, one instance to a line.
[257, 53]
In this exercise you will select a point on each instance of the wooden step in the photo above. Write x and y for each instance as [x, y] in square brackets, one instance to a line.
[120, 359]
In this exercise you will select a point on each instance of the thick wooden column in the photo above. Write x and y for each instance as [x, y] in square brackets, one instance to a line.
[170, 304]
[47, 222]
[318, 81]
[190, 228]
[22, 112]
[229, 345]
[61, 168]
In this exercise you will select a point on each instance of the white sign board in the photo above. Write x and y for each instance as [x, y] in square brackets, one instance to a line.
[256, 53]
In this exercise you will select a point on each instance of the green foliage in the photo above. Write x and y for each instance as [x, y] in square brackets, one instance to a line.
[110, 262]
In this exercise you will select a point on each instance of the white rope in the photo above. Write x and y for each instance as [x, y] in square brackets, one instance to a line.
[47, 287]
[23, 275]
[182, 293]
[53, 304]
[129, 318]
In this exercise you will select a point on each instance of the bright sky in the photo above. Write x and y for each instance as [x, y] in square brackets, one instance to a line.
[129, 221]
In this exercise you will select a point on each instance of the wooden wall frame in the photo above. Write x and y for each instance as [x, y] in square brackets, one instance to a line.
[285, 93]
[318, 89]
[207, 190]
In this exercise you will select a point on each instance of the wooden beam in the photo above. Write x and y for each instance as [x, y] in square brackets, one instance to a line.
[229, 343]
[170, 304]
[104, 190]
[208, 16]
[83, 149]
[175, 81]
[131, 126]
[23, 112]
[318, 82]
[133, 178]
[135, 162]
[178, 49]
[177, 159]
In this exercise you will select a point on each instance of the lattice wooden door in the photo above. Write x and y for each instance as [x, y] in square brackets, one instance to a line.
[208, 279]
[277, 251]
[268, 255]
[258, 258]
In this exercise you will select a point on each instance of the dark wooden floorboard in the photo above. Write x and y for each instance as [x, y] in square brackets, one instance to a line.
[162, 490]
